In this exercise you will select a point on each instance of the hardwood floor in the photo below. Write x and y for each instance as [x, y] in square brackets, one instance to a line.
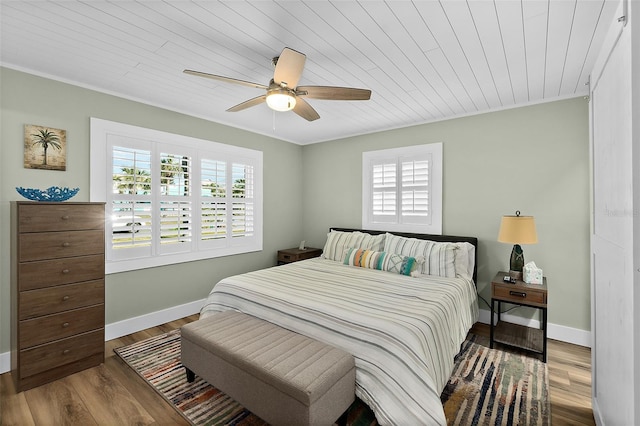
[112, 394]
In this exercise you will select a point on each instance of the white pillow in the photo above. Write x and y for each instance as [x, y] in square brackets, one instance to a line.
[465, 260]
[439, 257]
[339, 241]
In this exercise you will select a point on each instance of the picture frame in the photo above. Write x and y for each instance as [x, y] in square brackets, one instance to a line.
[45, 148]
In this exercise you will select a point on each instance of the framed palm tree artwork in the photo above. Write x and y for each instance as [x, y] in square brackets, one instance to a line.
[45, 148]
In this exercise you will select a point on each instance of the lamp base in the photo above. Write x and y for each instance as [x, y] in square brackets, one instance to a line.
[516, 262]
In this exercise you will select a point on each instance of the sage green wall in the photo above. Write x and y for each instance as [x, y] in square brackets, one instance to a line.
[534, 159]
[26, 99]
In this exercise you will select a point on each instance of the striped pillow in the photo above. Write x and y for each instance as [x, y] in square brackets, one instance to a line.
[381, 261]
[439, 258]
[339, 241]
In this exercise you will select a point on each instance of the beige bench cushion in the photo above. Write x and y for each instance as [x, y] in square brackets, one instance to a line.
[298, 366]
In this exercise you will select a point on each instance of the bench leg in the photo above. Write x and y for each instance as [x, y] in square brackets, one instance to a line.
[191, 376]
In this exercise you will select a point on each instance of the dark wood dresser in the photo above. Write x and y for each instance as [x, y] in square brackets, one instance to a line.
[57, 290]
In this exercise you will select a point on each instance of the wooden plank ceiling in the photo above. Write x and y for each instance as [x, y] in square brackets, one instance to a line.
[424, 61]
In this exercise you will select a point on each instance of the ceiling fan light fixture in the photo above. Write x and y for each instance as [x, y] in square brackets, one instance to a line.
[281, 100]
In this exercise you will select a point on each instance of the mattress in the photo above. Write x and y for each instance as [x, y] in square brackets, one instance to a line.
[403, 331]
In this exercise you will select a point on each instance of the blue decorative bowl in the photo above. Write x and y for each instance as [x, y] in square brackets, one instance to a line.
[55, 193]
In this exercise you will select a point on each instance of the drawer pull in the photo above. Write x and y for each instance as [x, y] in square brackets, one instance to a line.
[65, 298]
[66, 244]
[65, 271]
[286, 256]
[65, 325]
[65, 217]
[66, 351]
[518, 293]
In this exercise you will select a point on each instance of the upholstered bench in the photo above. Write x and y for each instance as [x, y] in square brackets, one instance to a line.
[281, 376]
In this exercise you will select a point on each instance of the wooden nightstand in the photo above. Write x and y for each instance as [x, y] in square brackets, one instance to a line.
[295, 254]
[522, 294]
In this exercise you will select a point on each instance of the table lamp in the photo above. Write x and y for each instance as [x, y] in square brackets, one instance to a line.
[517, 230]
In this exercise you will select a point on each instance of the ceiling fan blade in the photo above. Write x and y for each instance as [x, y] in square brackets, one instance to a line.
[289, 67]
[226, 79]
[334, 93]
[248, 104]
[304, 110]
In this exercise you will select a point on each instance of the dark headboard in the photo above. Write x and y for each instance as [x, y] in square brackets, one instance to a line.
[439, 238]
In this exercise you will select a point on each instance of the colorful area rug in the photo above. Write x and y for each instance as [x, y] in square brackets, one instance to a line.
[487, 387]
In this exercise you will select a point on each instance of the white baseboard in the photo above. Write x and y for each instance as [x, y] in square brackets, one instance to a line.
[557, 332]
[597, 415]
[5, 362]
[132, 325]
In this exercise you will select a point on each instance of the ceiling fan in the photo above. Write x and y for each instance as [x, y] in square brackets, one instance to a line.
[283, 92]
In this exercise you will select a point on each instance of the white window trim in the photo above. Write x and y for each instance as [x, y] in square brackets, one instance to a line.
[101, 182]
[434, 150]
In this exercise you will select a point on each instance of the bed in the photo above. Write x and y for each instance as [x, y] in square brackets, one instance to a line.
[401, 303]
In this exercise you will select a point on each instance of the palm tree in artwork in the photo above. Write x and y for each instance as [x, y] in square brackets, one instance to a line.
[46, 138]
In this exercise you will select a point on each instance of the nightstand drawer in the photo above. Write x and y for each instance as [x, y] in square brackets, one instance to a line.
[519, 294]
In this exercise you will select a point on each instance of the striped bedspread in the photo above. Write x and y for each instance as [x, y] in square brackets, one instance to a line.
[403, 332]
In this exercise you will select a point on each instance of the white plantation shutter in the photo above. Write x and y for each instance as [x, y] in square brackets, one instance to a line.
[414, 207]
[213, 208]
[243, 214]
[384, 186]
[384, 190]
[175, 203]
[173, 198]
[402, 189]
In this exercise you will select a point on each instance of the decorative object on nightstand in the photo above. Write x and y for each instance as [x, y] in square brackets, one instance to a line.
[517, 230]
[532, 274]
[521, 294]
[295, 254]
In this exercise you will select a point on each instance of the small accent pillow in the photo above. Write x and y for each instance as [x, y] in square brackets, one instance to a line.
[439, 258]
[381, 261]
[339, 241]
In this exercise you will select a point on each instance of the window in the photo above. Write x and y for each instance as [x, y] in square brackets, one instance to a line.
[172, 198]
[402, 189]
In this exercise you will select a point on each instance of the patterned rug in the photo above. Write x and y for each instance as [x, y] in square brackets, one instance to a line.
[487, 387]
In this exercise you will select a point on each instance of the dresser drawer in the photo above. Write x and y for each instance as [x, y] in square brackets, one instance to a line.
[48, 328]
[49, 273]
[56, 245]
[60, 217]
[61, 352]
[51, 300]
[519, 294]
